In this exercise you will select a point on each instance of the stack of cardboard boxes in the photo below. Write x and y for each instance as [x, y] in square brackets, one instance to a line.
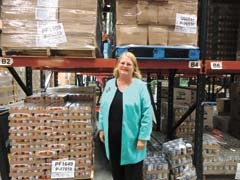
[58, 24]
[145, 22]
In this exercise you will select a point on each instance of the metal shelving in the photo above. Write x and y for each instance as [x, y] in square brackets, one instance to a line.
[170, 68]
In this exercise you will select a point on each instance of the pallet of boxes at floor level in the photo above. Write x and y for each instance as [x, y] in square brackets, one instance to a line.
[40, 135]
[160, 52]
[80, 138]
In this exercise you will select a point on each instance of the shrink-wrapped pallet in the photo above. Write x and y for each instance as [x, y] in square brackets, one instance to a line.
[38, 27]
[177, 18]
[47, 129]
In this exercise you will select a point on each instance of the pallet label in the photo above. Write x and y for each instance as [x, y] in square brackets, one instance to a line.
[63, 169]
[6, 61]
[186, 23]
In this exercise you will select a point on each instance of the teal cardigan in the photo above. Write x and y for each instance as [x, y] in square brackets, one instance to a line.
[137, 118]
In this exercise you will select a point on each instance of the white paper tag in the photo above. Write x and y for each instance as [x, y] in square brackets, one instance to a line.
[186, 23]
[51, 35]
[63, 169]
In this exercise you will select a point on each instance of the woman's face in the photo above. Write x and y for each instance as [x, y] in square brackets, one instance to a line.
[125, 66]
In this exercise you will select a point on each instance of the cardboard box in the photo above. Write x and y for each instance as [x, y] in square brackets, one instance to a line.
[185, 6]
[167, 11]
[221, 123]
[30, 3]
[23, 26]
[223, 106]
[18, 40]
[167, 14]
[131, 34]
[147, 12]
[184, 96]
[29, 13]
[79, 16]
[17, 3]
[157, 35]
[126, 12]
[178, 38]
[88, 30]
[78, 41]
[79, 4]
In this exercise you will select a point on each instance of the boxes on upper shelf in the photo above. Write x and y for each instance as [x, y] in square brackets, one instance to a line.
[172, 23]
[131, 34]
[34, 27]
[78, 4]
[126, 12]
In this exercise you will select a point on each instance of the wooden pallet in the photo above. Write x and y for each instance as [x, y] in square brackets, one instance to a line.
[43, 52]
[160, 52]
[218, 177]
[85, 53]
[35, 52]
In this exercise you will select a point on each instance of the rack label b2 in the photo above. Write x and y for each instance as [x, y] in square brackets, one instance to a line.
[6, 61]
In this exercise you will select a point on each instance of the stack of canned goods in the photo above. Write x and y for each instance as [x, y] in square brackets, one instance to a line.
[176, 147]
[155, 167]
[178, 154]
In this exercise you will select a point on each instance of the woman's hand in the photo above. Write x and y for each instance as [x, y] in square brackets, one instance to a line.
[101, 136]
[140, 144]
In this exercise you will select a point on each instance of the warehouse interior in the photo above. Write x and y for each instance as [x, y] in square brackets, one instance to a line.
[57, 56]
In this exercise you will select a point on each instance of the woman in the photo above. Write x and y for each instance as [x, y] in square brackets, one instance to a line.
[125, 119]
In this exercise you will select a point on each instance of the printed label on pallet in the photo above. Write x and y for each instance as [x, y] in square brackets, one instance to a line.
[63, 169]
[186, 23]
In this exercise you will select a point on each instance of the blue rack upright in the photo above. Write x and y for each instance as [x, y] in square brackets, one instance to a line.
[160, 52]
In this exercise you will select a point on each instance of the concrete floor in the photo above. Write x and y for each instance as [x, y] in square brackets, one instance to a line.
[101, 168]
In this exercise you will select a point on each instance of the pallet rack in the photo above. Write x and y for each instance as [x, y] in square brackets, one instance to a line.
[99, 65]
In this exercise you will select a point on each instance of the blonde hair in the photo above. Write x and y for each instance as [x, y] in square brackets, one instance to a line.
[132, 57]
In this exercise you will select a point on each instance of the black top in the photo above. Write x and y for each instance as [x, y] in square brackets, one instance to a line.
[115, 126]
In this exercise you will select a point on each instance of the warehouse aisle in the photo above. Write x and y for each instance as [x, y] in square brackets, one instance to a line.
[102, 169]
